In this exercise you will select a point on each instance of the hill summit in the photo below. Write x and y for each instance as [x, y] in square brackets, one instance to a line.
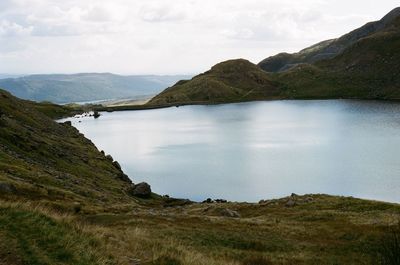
[230, 81]
[364, 64]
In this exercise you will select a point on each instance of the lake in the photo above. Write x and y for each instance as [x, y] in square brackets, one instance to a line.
[257, 150]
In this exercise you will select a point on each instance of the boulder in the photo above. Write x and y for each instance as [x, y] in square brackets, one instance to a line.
[208, 200]
[116, 165]
[290, 203]
[124, 177]
[229, 213]
[96, 114]
[141, 190]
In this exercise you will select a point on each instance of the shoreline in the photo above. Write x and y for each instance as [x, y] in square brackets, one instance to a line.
[207, 103]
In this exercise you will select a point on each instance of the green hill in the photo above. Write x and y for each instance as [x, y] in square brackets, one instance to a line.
[230, 81]
[327, 49]
[363, 64]
[43, 160]
[367, 69]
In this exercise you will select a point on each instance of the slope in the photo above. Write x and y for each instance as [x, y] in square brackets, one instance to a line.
[327, 49]
[367, 69]
[230, 81]
[43, 160]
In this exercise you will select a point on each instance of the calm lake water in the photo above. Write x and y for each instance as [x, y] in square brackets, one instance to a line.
[258, 150]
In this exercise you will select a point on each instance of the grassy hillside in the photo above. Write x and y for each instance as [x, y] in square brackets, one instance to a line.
[230, 81]
[368, 69]
[62, 201]
[43, 160]
[85, 87]
[326, 49]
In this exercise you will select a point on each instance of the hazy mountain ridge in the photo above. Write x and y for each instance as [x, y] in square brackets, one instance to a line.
[61, 88]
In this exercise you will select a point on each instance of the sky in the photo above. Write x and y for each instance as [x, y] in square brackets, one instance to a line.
[166, 37]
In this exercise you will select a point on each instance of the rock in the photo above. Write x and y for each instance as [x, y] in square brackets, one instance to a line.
[124, 177]
[68, 123]
[229, 213]
[141, 190]
[96, 114]
[308, 199]
[7, 188]
[109, 157]
[208, 200]
[290, 203]
[116, 165]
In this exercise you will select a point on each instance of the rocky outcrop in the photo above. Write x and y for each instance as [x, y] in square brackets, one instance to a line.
[140, 190]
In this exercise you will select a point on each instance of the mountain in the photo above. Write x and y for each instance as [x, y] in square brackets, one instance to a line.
[86, 87]
[326, 49]
[363, 64]
[41, 159]
[230, 81]
[367, 69]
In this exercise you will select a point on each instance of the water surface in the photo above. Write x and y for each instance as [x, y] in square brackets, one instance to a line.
[257, 150]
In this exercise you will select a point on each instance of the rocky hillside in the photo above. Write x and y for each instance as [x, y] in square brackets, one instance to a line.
[329, 48]
[43, 160]
[230, 81]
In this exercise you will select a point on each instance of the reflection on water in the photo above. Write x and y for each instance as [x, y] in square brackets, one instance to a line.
[257, 150]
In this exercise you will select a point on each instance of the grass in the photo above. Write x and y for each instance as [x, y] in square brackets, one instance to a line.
[326, 230]
[388, 252]
[317, 231]
[39, 237]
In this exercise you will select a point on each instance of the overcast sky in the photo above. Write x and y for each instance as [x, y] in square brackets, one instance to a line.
[166, 37]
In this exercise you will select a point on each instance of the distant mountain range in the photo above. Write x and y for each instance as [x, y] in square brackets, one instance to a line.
[364, 63]
[59, 88]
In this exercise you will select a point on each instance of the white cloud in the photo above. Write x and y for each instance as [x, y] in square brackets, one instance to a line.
[12, 29]
[161, 13]
[158, 36]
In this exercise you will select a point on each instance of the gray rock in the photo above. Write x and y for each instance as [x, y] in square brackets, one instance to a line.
[141, 190]
[116, 165]
[229, 213]
[7, 188]
[290, 203]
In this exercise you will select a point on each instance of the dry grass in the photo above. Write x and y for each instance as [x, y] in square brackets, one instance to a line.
[321, 230]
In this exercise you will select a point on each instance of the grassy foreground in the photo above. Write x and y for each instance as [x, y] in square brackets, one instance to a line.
[310, 229]
[63, 201]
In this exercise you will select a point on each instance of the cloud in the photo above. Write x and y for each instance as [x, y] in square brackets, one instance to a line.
[12, 29]
[158, 36]
[161, 13]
